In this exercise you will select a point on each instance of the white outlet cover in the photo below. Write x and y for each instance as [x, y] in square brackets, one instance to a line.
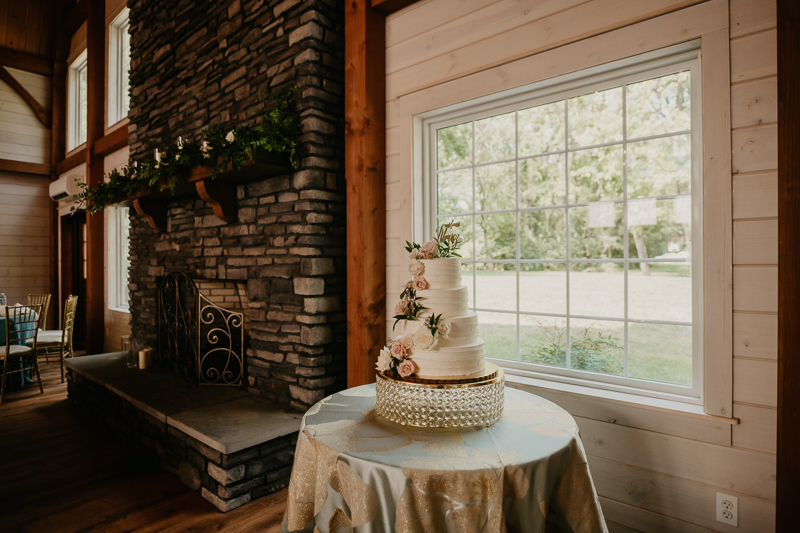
[728, 509]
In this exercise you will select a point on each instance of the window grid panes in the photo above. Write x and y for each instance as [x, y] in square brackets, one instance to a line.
[577, 214]
[123, 261]
[82, 103]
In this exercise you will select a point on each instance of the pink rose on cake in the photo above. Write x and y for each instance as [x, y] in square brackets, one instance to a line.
[406, 368]
[444, 329]
[401, 345]
[416, 268]
[429, 249]
[400, 307]
[420, 283]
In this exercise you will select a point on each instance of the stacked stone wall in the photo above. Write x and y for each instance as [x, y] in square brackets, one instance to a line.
[199, 63]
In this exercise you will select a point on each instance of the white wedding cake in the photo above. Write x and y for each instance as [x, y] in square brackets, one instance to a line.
[438, 335]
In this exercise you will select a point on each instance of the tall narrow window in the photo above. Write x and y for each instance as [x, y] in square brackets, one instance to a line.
[78, 103]
[119, 65]
[118, 261]
[579, 204]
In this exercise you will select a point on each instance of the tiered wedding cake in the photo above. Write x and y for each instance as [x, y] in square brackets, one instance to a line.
[433, 374]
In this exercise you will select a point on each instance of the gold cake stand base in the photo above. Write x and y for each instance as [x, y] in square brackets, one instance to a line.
[440, 403]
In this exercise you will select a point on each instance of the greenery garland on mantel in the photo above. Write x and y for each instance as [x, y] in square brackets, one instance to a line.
[276, 132]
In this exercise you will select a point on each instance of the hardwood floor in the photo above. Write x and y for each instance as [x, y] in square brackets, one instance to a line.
[62, 471]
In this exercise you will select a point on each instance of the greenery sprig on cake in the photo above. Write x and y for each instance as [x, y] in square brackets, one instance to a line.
[442, 246]
[219, 149]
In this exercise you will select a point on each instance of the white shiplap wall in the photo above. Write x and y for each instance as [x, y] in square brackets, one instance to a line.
[655, 469]
[22, 136]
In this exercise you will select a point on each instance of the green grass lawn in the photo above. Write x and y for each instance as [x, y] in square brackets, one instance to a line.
[655, 352]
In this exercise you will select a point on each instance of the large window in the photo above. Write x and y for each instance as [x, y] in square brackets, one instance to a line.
[118, 260]
[78, 103]
[580, 202]
[119, 65]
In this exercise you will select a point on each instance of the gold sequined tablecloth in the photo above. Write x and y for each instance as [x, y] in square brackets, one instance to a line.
[357, 472]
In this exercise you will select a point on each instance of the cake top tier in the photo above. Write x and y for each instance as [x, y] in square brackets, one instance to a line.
[442, 273]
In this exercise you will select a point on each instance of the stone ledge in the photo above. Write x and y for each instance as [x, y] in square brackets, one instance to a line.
[229, 444]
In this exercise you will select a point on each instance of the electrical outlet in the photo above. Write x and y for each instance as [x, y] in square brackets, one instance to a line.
[727, 509]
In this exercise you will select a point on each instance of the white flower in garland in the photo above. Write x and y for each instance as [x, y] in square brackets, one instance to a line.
[384, 361]
[416, 268]
[424, 339]
[230, 137]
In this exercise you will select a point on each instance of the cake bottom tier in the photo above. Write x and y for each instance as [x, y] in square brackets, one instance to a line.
[450, 361]
[441, 405]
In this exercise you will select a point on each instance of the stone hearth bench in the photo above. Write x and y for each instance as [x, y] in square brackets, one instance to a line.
[232, 446]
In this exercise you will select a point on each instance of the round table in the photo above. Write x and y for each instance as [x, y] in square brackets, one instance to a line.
[356, 471]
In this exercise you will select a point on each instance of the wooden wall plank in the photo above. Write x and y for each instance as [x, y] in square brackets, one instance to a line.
[755, 288]
[717, 226]
[754, 473]
[755, 195]
[646, 521]
[672, 496]
[586, 20]
[755, 149]
[750, 16]
[754, 102]
[755, 242]
[758, 428]
[755, 382]
[404, 26]
[755, 335]
[494, 19]
[754, 56]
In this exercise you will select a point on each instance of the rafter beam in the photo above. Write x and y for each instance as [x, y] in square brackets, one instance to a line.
[24, 167]
[41, 113]
[27, 62]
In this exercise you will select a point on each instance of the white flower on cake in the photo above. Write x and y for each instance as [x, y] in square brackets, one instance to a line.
[413, 255]
[408, 284]
[420, 283]
[384, 361]
[444, 329]
[406, 368]
[416, 268]
[429, 249]
[424, 339]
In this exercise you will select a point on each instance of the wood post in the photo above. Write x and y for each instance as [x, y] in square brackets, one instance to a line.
[788, 459]
[95, 226]
[365, 171]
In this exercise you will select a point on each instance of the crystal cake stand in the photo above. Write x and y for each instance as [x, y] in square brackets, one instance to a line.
[442, 403]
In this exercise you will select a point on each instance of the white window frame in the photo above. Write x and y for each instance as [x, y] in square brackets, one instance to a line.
[117, 77]
[74, 94]
[669, 60]
[117, 250]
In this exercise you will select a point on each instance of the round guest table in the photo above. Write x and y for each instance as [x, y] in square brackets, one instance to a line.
[356, 471]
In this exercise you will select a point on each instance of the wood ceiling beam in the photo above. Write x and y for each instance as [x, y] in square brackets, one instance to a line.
[24, 167]
[68, 163]
[75, 17]
[111, 142]
[41, 113]
[27, 62]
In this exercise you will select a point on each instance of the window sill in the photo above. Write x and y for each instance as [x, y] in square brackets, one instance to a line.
[573, 395]
[126, 310]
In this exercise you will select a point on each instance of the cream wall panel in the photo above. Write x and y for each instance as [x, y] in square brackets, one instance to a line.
[755, 149]
[754, 103]
[494, 19]
[755, 242]
[750, 16]
[755, 195]
[661, 420]
[755, 289]
[646, 521]
[755, 335]
[673, 496]
[24, 236]
[22, 136]
[755, 382]
[615, 527]
[586, 20]
[758, 428]
[738, 470]
[754, 56]
[425, 16]
[393, 141]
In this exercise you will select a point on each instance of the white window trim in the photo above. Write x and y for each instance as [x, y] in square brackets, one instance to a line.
[117, 31]
[117, 285]
[73, 102]
[657, 63]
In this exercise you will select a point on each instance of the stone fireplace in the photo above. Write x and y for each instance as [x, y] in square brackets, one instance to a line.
[195, 64]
